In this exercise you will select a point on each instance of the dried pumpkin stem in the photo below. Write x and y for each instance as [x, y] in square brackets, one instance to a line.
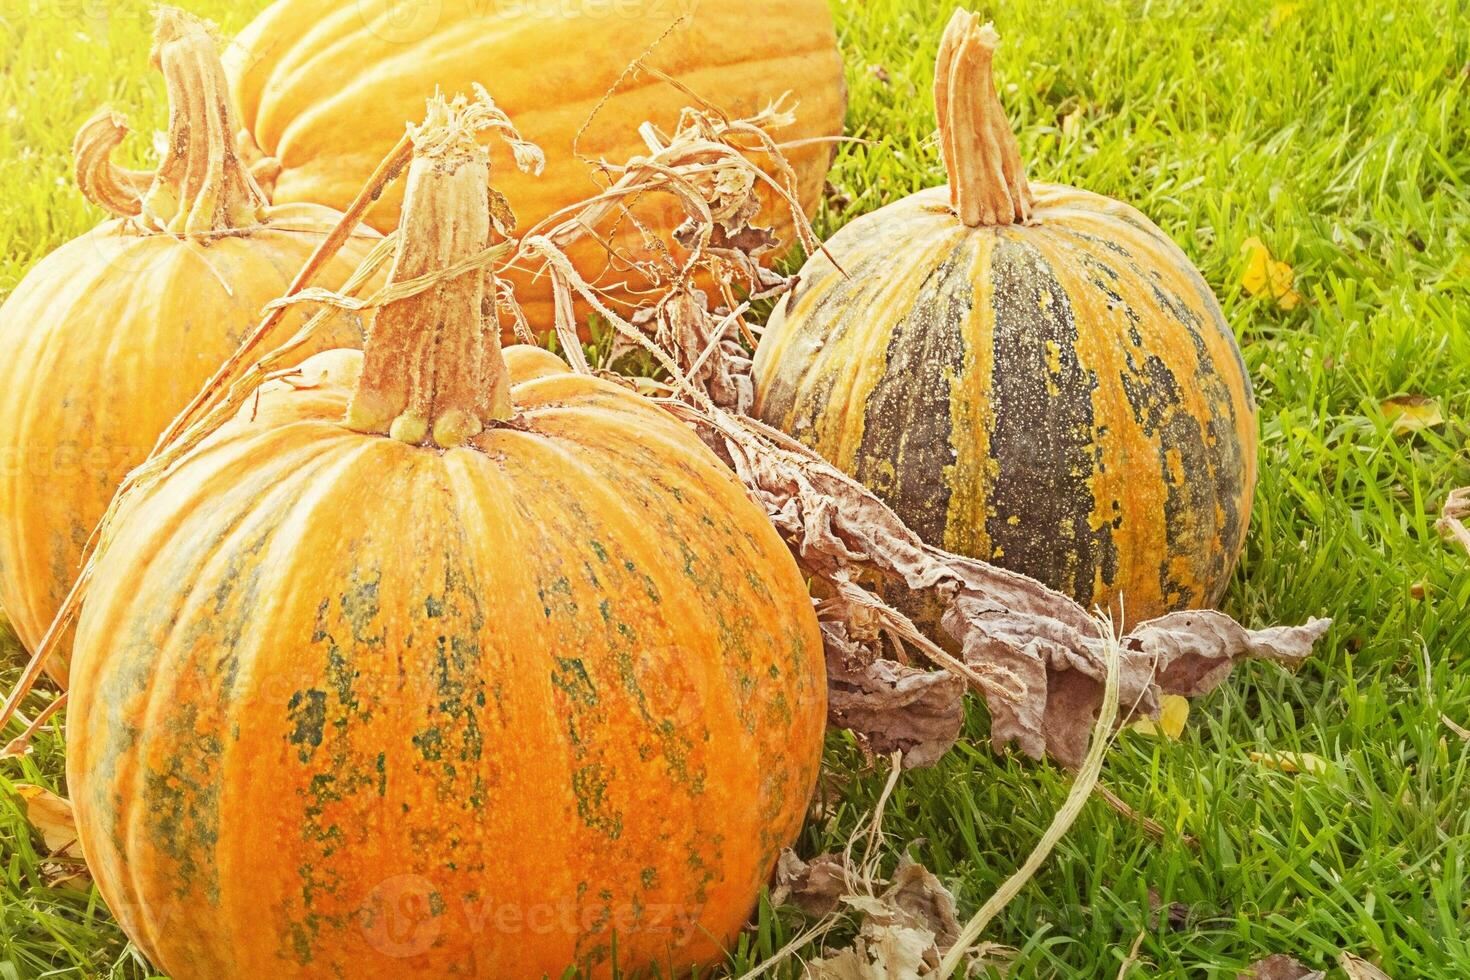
[103, 182]
[432, 366]
[987, 179]
[201, 186]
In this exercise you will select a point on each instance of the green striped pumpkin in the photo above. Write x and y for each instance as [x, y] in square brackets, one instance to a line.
[1029, 374]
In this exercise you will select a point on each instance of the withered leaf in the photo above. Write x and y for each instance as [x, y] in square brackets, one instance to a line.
[890, 706]
[880, 953]
[502, 215]
[904, 930]
[1358, 968]
[919, 894]
[54, 821]
[814, 886]
[1280, 967]
[1039, 656]
[1175, 914]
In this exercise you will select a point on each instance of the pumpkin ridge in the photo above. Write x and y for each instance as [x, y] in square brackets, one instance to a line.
[871, 338]
[251, 517]
[1169, 412]
[35, 406]
[923, 362]
[973, 416]
[453, 43]
[1041, 503]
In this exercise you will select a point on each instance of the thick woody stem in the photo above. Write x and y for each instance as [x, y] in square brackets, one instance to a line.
[201, 186]
[432, 366]
[987, 180]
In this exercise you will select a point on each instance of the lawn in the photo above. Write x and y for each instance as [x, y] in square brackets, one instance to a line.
[1335, 132]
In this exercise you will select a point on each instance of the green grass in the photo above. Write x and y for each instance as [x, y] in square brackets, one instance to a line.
[1335, 131]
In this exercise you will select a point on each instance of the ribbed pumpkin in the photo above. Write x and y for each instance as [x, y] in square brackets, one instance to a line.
[1029, 374]
[501, 674]
[326, 87]
[110, 336]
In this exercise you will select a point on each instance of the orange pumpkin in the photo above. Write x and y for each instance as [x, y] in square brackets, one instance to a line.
[110, 336]
[1029, 374]
[326, 87]
[442, 662]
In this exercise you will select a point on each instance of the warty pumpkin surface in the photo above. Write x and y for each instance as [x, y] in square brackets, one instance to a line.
[505, 663]
[1029, 374]
[111, 335]
[326, 87]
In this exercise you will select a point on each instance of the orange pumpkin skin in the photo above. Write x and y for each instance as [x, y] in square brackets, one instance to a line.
[326, 86]
[110, 336]
[347, 706]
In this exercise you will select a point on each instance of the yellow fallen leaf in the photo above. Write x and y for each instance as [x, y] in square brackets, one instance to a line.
[1173, 716]
[1408, 414]
[52, 818]
[1280, 14]
[1293, 763]
[1266, 276]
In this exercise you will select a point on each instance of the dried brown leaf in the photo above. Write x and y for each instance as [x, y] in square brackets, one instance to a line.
[1037, 655]
[816, 886]
[923, 898]
[879, 953]
[889, 706]
[898, 937]
[1280, 967]
[1175, 914]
